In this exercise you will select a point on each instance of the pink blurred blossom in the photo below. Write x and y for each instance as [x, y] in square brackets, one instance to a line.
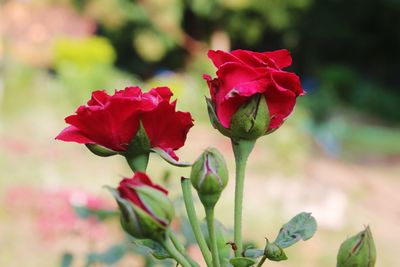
[52, 211]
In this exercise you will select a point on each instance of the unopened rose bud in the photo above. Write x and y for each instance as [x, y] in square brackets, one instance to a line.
[146, 211]
[251, 120]
[274, 253]
[209, 176]
[358, 251]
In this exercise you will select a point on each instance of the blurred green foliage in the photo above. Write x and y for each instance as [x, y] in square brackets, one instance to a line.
[346, 52]
[84, 53]
[84, 65]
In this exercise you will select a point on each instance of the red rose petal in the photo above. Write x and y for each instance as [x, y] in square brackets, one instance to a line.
[219, 57]
[282, 57]
[73, 134]
[165, 127]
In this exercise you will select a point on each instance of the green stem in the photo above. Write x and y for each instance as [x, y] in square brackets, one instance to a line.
[138, 162]
[262, 261]
[241, 150]
[191, 213]
[175, 253]
[213, 238]
[178, 245]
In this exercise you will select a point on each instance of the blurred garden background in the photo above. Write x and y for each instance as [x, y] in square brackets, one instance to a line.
[337, 156]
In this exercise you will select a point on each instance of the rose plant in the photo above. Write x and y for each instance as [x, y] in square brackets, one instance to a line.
[251, 96]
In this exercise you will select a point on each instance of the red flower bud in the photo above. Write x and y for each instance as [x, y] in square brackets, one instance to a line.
[146, 211]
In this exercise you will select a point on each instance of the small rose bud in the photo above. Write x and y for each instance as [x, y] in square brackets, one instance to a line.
[209, 176]
[357, 251]
[274, 252]
[251, 120]
[146, 211]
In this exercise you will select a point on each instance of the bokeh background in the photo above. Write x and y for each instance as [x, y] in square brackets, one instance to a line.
[337, 156]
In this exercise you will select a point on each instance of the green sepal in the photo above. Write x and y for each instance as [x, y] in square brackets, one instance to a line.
[274, 252]
[242, 262]
[302, 226]
[164, 155]
[135, 221]
[251, 120]
[101, 150]
[214, 119]
[140, 144]
[157, 203]
[358, 251]
[137, 154]
[156, 249]
[150, 227]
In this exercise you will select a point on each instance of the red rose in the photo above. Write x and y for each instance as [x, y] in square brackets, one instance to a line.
[242, 74]
[113, 121]
[128, 189]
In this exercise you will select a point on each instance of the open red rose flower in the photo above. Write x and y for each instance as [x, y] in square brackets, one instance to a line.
[242, 74]
[113, 121]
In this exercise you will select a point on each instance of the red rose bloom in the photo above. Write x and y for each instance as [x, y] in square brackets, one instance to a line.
[113, 121]
[128, 190]
[242, 74]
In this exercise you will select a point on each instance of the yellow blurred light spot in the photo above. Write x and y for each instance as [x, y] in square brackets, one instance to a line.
[149, 46]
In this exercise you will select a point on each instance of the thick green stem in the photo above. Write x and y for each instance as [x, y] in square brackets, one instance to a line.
[178, 245]
[175, 253]
[262, 261]
[241, 150]
[191, 213]
[213, 237]
[138, 162]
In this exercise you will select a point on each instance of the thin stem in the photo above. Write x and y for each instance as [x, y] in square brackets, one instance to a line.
[241, 150]
[178, 245]
[262, 261]
[175, 253]
[213, 237]
[191, 213]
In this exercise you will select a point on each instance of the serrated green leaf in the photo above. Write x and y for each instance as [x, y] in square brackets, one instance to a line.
[168, 158]
[302, 226]
[253, 253]
[109, 257]
[242, 262]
